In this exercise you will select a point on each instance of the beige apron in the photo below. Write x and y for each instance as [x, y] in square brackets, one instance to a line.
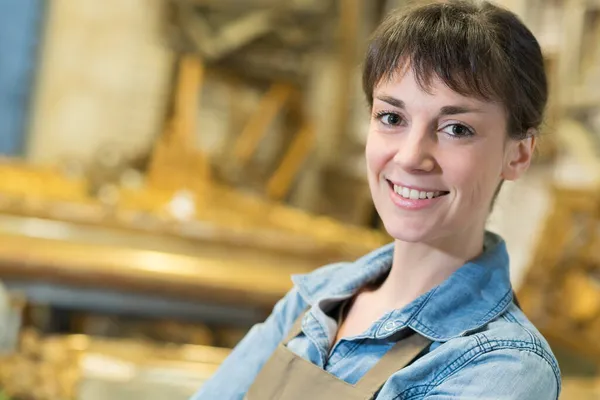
[287, 376]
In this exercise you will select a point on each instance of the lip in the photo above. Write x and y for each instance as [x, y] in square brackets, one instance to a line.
[420, 189]
[410, 204]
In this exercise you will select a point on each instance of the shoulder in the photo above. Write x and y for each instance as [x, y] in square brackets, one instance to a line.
[513, 330]
[506, 359]
[343, 277]
[321, 281]
[510, 333]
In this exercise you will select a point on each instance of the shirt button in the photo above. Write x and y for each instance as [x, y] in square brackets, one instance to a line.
[389, 326]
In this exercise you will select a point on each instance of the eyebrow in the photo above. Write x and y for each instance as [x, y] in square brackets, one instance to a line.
[453, 110]
[446, 110]
[392, 101]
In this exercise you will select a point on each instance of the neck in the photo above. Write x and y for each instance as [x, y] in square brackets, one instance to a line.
[419, 267]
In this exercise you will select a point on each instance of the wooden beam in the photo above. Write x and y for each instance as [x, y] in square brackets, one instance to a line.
[348, 63]
[570, 58]
[256, 128]
[281, 181]
[187, 93]
[217, 279]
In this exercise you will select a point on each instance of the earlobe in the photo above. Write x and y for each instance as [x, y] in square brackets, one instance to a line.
[518, 156]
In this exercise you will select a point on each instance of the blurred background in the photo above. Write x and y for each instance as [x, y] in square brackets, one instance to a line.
[167, 164]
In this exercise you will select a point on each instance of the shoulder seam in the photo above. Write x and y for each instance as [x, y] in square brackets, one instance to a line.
[536, 340]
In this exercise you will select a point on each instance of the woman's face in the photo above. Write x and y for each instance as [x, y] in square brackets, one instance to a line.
[435, 159]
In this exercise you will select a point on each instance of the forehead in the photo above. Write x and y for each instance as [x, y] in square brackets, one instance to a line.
[404, 85]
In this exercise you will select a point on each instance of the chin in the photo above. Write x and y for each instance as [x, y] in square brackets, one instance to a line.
[407, 232]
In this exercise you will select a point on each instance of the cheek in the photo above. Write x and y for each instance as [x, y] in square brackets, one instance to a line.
[475, 174]
[377, 153]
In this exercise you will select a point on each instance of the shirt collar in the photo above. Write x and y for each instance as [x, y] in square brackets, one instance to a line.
[471, 297]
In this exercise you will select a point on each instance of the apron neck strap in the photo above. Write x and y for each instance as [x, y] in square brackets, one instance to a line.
[296, 328]
[402, 353]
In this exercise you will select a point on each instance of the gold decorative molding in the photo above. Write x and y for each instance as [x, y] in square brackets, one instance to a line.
[78, 366]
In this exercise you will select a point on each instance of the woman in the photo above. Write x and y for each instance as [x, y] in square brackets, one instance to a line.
[457, 91]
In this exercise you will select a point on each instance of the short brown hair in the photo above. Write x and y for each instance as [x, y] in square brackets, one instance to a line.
[475, 48]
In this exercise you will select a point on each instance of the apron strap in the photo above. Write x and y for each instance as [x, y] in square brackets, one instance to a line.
[296, 328]
[399, 356]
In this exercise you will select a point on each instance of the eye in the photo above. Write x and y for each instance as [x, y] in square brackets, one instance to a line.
[458, 131]
[389, 118]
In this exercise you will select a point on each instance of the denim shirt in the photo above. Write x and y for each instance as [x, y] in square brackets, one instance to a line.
[483, 345]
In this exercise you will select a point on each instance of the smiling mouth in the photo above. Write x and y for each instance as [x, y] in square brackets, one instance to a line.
[413, 194]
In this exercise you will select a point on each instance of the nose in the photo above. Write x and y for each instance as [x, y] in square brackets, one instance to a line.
[415, 150]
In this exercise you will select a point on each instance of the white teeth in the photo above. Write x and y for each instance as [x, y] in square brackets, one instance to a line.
[414, 194]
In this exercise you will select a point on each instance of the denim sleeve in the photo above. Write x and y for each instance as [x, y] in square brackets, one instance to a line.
[234, 377]
[504, 374]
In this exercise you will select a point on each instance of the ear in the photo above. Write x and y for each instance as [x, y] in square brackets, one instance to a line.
[518, 155]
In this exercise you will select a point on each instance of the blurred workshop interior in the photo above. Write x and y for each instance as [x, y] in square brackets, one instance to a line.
[166, 165]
